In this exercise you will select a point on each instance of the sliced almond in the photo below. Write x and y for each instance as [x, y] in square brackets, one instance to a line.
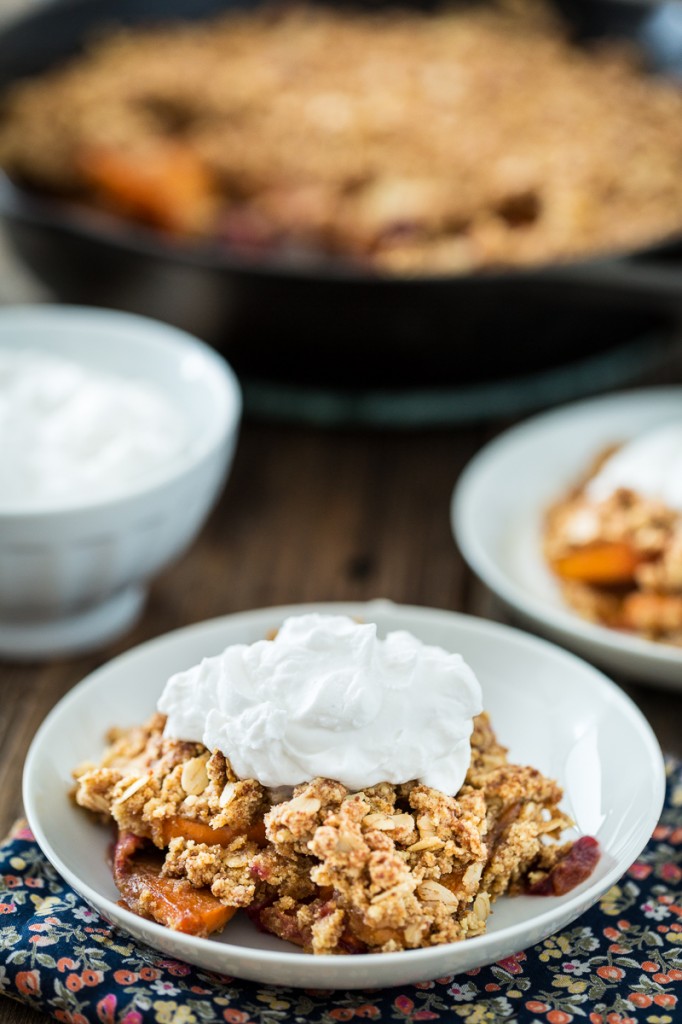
[388, 822]
[426, 824]
[481, 908]
[429, 843]
[134, 786]
[194, 778]
[413, 934]
[403, 821]
[304, 804]
[93, 801]
[395, 890]
[433, 892]
[228, 794]
[382, 822]
[472, 875]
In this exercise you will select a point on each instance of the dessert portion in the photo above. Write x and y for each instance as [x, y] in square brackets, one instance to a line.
[615, 540]
[334, 865]
[403, 141]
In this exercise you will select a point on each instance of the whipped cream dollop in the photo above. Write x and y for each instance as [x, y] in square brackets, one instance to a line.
[650, 465]
[70, 433]
[327, 697]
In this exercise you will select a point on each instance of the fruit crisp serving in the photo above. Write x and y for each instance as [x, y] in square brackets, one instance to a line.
[615, 539]
[390, 867]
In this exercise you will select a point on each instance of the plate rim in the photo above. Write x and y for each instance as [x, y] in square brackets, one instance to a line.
[562, 621]
[264, 957]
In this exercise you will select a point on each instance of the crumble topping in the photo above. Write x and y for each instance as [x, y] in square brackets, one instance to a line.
[385, 869]
[226, 871]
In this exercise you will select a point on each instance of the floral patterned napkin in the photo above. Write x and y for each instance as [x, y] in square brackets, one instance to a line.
[621, 963]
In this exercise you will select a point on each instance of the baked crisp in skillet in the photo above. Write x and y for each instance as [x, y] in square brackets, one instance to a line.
[411, 143]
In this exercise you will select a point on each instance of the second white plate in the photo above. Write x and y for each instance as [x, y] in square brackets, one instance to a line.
[497, 517]
[551, 709]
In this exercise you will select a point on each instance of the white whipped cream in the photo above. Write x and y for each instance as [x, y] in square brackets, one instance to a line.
[69, 433]
[650, 465]
[328, 698]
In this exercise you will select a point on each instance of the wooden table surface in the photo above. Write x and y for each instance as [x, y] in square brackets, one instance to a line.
[307, 515]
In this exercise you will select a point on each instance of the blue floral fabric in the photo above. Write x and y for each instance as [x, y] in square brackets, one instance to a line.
[621, 963]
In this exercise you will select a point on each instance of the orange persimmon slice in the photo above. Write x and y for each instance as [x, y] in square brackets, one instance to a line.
[167, 186]
[173, 902]
[185, 828]
[607, 562]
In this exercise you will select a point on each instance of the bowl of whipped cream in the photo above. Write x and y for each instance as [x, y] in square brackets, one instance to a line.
[117, 433]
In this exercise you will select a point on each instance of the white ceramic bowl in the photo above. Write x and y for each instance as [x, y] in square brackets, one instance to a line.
[74, 577]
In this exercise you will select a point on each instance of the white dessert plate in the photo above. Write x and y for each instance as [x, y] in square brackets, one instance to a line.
[551, 709]
[497, 514]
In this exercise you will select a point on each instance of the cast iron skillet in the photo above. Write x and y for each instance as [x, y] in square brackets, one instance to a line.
[319, 324]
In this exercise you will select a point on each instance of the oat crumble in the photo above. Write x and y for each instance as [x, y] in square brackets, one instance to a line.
[389, 868]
